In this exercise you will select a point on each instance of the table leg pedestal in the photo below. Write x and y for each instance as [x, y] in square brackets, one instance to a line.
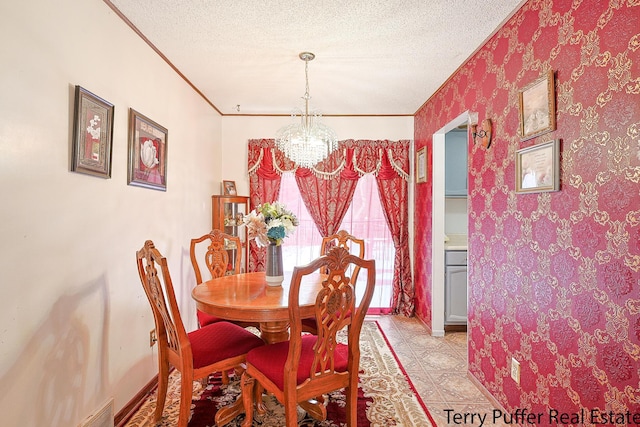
[272, 332]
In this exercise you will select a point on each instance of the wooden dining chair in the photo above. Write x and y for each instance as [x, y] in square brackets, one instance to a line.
[221, 254]
[352, 244]
[345, 240]
[304, 368]
[218, 347]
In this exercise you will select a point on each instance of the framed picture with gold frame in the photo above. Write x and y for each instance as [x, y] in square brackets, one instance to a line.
[147, 152]
[421, 165]
[538, 168]
[537, 107]
[92, 134]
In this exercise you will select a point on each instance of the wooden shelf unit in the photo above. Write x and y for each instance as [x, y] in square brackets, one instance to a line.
[227, 213]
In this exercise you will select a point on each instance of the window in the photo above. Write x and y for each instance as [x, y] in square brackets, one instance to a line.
[364, 219]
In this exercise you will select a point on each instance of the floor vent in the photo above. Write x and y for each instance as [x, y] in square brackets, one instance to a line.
[103, 417]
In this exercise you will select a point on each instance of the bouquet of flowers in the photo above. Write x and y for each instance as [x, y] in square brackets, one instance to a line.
[270, 223]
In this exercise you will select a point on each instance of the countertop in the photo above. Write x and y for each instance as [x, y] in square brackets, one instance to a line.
[456, 242]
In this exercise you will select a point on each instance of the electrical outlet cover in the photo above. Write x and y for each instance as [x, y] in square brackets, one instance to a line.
[515, 370]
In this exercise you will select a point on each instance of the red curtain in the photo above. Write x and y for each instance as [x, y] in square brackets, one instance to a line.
[394, 197]
[264, 186]
[327, 196]
[327, 190]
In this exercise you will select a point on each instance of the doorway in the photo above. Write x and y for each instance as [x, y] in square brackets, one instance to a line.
[438, 225]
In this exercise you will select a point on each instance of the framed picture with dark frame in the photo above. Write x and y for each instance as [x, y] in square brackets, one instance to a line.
[92, 134]
[421, 165]
[537, 107]
[229, 188]
[147, 152]
[538, 168]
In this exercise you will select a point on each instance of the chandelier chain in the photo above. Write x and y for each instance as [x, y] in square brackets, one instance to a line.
[306, 79]
[307, 142]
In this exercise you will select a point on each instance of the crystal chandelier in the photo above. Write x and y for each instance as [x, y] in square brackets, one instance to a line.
[306, 141]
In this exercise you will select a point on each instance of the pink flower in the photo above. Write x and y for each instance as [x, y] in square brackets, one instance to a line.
[257, 228]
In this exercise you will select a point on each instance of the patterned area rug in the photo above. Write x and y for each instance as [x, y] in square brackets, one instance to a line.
[386, 397]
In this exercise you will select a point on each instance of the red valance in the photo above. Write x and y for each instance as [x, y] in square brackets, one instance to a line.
[385, 159]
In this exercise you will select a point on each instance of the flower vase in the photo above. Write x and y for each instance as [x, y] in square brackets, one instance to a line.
[274, 270]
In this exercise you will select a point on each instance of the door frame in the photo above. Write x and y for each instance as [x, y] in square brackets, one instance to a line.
[438, 224]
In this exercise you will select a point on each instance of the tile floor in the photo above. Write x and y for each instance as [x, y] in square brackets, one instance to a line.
[437, 367]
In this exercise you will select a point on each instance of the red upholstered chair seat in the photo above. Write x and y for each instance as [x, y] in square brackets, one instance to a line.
[205, 319]
[310, 325]
[270, 359]
[221, 340]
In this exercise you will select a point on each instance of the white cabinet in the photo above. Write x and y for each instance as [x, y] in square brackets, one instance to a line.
[455, 299]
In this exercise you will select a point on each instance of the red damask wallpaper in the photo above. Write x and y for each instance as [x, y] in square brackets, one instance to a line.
[554, 278]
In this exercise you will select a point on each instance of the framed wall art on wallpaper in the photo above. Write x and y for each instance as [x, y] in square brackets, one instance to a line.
[538, 168]
[537, 107]
[147, 152]
[92, 134]
[421, 165]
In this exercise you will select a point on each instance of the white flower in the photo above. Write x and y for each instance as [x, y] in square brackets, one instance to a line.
[94, 127]
[149, 154]
[270, 223]
[289, 226]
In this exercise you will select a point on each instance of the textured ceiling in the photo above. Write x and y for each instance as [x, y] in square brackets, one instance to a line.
[372, 57]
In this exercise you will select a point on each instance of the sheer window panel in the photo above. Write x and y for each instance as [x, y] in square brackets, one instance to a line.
[364, 219]
[303, 246]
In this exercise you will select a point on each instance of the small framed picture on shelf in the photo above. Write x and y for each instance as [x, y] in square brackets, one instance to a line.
[92, 134]
[229, 188]
[538, 168]
[537, 107]
[147, 152]
[421, 165]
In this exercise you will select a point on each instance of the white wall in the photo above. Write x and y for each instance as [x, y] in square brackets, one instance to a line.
[74, 320]
[456, 218]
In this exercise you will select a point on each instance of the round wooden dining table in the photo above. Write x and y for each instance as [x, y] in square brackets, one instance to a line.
[247, 297]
